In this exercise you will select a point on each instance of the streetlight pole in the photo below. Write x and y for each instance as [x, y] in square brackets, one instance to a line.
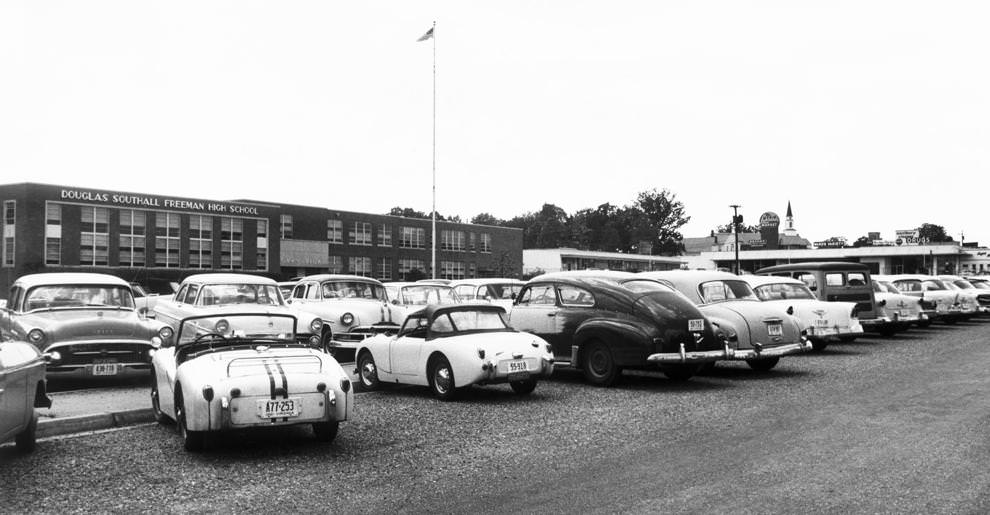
[735, 230]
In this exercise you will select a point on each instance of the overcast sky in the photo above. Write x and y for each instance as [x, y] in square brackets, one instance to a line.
[866, 115]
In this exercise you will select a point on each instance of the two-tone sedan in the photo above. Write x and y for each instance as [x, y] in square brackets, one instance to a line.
[902, 310]
[759, 333]
[22, 388]
[950, 306]
[245, 368]
[967, 286]
[451, 347]
[823, 322]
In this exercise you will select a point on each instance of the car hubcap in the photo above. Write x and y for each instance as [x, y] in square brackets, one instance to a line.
[599, 363]
[368, 373]
[442, 380]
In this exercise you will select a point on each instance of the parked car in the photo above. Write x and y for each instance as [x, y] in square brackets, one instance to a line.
[22, 388]
[902, 310]
[286, 288]
[502, 292]
[352, 308]
[950, 305]
[603, 322]
[216, 292]
[823, 322]
[243, 366]
[87, 322]
[450, 347]
[838, 281]
[980, 282]
[405, 297]
[970, 289]
[757, 333]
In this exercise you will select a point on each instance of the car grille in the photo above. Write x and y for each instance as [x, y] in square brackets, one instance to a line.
[118, 352]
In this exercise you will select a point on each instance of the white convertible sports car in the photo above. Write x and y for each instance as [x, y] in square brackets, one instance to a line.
[245, 368]
[447, 347]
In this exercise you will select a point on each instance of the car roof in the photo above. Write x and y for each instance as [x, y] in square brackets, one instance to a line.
[919, 277]
[487, 280]
[760, 280]
[31, 280]
[339, 277]
[580, 275]
[815, 265]
[695, 275]
[226, 278]
[403, 284]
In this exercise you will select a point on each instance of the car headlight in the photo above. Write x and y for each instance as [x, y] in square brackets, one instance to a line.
[165, 333]
[36, 336]
[222, 326]
[347, 319]
[315, 326]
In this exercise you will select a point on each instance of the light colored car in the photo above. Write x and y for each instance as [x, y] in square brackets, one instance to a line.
[760, 334]
[950, 306]
[352, 308]
[202, 294]
[22, 388]
[902, 310]
[87, 322]
[967, 286]
[449, 347]
[244, 367]
[501, 292]
[405, 297]
[823, 322]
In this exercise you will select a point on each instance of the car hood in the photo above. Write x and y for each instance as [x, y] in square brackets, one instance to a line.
[750, 321]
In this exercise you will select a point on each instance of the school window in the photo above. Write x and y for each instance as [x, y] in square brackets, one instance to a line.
[200, 241]
[452, 270]
[361, 234]
[408, 266]
[336, 265]
[132, 237]
[94, 241]
[452, 240]
[385, 235]
[286, 227]
[335, 231]
[167, 240]
[412, 238]
[53, 234]
[359, 266]
[472, 241]
[472, 271]
[385, 269]
[231, 243]
[261, 258]
[9, 219]
[486, 243]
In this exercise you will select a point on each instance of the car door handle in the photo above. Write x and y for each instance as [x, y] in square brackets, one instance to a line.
[551, 314]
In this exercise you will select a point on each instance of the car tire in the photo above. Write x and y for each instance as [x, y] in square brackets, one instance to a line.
[26, 440]
[888, 331]
[367, 372]
[762, 365]
[441, 379]
[847, 339]
[598, 364]
[192, 441]
[818, 345]
[325, 340]
[326, 431]
[924, 323]
[680, 373]
[523, 387]
[156, 407]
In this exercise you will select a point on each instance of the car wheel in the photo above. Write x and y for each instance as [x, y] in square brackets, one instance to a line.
[762, 365]
[156, 407]
[25, 440]
[598, 365]
[523, 387]
[680, 372]
[192, 441]
[924, 323]
[367, 371]
[441, 377]
[326, 431]
[818, 345]
[325, 339]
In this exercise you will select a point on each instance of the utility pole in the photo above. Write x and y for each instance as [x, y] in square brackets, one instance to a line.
[736, 221]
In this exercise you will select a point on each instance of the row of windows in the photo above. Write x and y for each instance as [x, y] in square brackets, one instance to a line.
[381, 268]
[409, 237]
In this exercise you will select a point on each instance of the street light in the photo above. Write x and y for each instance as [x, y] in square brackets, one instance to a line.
[736, 222]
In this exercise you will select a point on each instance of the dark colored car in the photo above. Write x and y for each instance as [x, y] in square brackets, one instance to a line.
[602, 322]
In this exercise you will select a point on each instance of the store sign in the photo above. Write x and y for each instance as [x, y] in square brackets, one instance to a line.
[830, 244]
[147, 201]
[769, 219]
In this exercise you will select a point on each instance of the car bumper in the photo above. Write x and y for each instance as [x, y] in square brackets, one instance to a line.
[89, 370]
[240, 413]
[764, 352]
[491, 373]
[675, 358]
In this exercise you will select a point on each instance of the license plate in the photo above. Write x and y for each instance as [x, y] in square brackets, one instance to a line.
[821, 322]
[695, 325]
[516, 366]
[279, 408]
[105, 368]
[775, 329]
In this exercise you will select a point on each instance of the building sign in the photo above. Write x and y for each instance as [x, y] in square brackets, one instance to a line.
[305, 253]
[831, 243]
[769, 219]
[755, 243]
[152, 202]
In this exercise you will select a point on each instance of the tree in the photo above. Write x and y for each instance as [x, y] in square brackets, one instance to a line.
[664, 216]
[487, 219]
[407, 212]
[933, 233]
[863, 241]
[727, 228]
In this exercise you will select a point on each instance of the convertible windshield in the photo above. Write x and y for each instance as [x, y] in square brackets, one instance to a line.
[352, 290]
[237, 327]
[428, 294]
[218, 294]
[78, 295]
[716, 291]
[463, 321]
[784, 291]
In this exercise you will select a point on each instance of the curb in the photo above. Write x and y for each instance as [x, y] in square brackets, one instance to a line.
[81, 423]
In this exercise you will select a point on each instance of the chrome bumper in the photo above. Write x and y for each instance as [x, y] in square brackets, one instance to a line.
[708, 356]
[761, 352]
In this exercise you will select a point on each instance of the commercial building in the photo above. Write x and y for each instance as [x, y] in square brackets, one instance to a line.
[536, 261]
[154, 239]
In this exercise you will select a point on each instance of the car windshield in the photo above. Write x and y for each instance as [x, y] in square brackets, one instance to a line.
[909, 285]
[981, 285]
[934, 285]
[352, 290]
[884, 286]
[237, 327]
[963, 285]
[460, 321]
[642, 286]
[428, 294]
[500, 291]
[717, 291]
[784, 291]
[244, 293]
[78, 295]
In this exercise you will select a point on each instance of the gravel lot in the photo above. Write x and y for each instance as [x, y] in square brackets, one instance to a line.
[879, 425]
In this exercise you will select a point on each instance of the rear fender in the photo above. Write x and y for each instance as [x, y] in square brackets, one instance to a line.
[629, 342]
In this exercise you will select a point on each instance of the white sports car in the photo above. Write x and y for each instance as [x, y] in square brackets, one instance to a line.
[447, 347]
[245, 368]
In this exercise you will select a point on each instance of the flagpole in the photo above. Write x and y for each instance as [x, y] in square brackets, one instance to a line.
[433, 265]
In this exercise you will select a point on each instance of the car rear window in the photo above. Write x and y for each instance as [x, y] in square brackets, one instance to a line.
[716, 291]
[909, 285]
[641, 286]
